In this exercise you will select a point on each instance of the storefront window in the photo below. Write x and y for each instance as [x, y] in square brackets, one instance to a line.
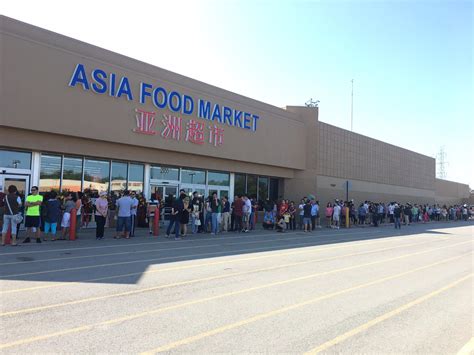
[239, 184]
[262, 188]
[251, 186]
[135, 177]
[50, 173]
[164, 173]
[193, 176]
[72, 174]
[274, 189]
[219, 179]
[119, 176]
[96, 175]
[15, 160]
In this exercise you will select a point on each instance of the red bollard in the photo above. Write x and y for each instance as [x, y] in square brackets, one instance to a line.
[156, 222]
[8, 236]
[72, 225]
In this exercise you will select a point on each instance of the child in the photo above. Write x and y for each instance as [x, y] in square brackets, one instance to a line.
[281, 225]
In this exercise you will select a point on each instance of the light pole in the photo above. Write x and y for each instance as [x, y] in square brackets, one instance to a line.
[352, 105]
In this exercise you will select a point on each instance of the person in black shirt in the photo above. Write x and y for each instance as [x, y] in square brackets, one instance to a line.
[176, 210]
[397, 211]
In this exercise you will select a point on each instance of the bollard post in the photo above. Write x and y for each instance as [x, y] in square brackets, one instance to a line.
[347, 217]
[156, 222]
[72, 225]
[8, 236]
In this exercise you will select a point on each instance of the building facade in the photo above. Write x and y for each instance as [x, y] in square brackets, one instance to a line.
[77, 117]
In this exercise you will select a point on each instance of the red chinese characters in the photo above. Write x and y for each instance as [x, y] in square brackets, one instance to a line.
[145, 122]
[195, 132]
[173, 128]
[216, 135]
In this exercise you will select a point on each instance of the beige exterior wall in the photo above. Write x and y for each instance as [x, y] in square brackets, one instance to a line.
[352, 156]
[450, 192]
[37, 66]
[330, 188]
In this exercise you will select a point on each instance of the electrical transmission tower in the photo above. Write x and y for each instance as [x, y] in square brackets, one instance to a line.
[441, 163]
[312, 103]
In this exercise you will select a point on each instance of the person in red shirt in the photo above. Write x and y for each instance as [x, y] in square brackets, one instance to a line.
[238, 206]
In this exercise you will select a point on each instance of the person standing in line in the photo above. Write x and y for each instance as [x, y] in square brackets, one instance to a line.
[133, 213]
[397, 211]
[196, 207]
[12, 203]
[52, 215]
[307, 215]
[301, 214]
[82, 209]
[292, 212]
[336, 215]
[225, 214]
[124, 212]
[175, 216]
[329, 212]
[216, 208]
[184, 219]
[101, 212]
[247, 211]
[238, 213]
[32, 220]
[68, 206]
[152, 207]
[314, 213]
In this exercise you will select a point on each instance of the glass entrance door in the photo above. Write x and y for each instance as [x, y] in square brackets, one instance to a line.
[163, 194]
[22, 183]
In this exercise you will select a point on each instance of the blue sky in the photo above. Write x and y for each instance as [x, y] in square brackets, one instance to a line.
[411, 61]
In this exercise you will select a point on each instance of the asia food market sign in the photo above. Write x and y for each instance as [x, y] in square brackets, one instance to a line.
[207, 129]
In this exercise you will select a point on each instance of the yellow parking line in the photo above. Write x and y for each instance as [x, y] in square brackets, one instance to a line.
[233, 293]
[279, 311]
[132, 252]
[189, 282]
[168, 242]
[178, 257]
[186, 267]
[384, 317]
[467, 349]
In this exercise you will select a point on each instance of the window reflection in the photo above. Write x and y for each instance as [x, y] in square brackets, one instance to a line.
[50, 173]
[119, 176]
[72, 174]
[135, 177]
[96, 175]
[15, 160]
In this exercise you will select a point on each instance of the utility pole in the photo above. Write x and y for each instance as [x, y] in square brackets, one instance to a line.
[352, 105]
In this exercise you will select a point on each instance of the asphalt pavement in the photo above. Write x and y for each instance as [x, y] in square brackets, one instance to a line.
[348, 291]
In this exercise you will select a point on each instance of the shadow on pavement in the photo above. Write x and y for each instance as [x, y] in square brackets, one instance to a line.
[125, 261]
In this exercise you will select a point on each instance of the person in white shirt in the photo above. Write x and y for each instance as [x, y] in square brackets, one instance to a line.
[247, 211]
[133, 213]
[336, 215]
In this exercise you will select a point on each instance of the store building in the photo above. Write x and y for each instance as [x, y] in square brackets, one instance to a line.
[77, 117]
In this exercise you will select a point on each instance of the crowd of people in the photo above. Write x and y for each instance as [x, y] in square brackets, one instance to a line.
[50, 216]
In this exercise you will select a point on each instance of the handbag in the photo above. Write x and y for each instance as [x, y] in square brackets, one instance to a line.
[197, 222]
[17, 218]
